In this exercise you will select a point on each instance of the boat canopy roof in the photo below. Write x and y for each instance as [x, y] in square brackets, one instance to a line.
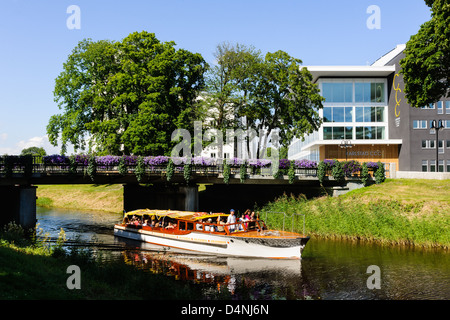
[175, 214]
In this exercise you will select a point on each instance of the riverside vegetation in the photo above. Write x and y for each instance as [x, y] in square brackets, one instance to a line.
[34, 268]
[409, 212]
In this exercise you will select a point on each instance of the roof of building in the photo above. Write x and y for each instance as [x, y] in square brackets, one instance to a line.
[380, 68]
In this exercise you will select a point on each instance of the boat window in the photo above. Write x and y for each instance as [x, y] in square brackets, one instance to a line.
[190, 226]
[182, 225]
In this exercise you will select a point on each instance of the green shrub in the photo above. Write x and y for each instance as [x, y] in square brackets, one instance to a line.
[380, 175]
[338, 172]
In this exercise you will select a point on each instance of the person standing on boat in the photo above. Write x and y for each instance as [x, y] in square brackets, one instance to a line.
[231, 219]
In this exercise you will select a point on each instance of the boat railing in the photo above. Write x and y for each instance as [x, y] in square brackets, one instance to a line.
[293, 216]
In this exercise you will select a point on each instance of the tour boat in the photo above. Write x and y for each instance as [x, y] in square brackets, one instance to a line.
[210, 234]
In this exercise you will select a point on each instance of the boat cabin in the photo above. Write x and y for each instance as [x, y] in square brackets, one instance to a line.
[183, 222]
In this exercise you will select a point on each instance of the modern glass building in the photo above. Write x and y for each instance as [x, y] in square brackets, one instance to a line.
[366, 117]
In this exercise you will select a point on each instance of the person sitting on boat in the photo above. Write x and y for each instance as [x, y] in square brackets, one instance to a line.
[171, 226]
[199, 226]
[209, 227]
[220, 227]
[231, 219]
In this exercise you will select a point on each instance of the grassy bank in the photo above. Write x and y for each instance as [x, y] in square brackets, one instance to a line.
[81, 197]
[36, 271]
[413, 212]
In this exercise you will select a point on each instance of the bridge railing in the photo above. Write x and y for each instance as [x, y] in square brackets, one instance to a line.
[35, 164]
[28, 165]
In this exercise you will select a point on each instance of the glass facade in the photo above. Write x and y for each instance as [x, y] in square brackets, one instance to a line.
[354, 109]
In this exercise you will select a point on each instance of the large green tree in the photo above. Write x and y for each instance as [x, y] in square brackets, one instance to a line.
[128, 96]
[259, 94]
[227, 84]
[282, 97]
[426, 65]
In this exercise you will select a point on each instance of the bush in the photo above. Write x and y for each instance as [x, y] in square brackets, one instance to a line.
[226, 173]
[380, 174]
[321, 171]
[140, 169]
[365, 174]
[92, 167]
[122, 166]
[170, 170]
[187, 171]
[243, 172]
[337, 172]
[291, 172]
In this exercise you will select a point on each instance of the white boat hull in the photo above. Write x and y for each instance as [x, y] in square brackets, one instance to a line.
[217, 244]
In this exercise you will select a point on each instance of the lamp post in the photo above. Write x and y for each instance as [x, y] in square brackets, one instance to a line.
[437, 125]
[346, 144]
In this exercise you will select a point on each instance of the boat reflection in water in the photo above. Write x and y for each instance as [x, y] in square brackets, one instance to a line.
[257, 277]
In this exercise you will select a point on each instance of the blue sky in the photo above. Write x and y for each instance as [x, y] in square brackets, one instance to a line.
[35, 41]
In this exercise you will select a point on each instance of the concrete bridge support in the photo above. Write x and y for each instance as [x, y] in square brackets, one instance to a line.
[162, 197]
[18, 204]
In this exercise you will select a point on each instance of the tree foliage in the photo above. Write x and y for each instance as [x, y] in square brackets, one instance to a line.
[268, 92]
[426, 65]
[126, 97]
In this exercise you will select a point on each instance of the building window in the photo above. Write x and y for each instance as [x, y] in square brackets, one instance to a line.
[369, 92]
[424, 165]
[433, 165]
[440, 107]
[337, 133]
[428, 144]
[446, 124]
[337, 114]
[447, 107]
[448, 144]
[429, 106]
[419, 124]
[337, 92]
[369, 114]
[370, 133]
[441, 165]
[441, 146]
[448, 165]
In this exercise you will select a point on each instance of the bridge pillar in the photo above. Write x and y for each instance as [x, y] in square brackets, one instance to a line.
[18, 204]
[162, 197]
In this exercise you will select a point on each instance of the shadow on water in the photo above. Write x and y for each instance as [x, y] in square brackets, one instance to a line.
[329, 269]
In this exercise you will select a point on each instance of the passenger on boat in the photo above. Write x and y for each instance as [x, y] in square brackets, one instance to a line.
[220, 227]
[231, 219]
[171, 226]
[199, 226]
[209, 227]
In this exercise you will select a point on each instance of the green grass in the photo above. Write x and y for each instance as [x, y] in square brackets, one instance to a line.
[33, 273]
[81, 197]
[413, 212]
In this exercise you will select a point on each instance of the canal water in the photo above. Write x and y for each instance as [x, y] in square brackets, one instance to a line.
[329, 269]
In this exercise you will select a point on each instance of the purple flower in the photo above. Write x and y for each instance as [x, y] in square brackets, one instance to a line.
[372, 165]
[56, 159]
[304, 163]
[202, 161]
[156, 161]
[329, 163]
[107, 160]
[351, 166]
[284, 164]
[259, 163]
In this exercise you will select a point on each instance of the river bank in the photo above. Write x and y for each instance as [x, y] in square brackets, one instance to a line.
[405, 212]
[400, 211]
